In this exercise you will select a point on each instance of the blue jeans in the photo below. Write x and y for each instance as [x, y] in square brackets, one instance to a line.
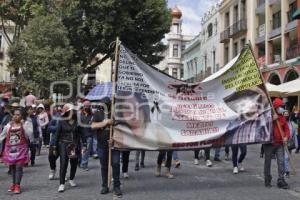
[115, 163]
[217, 152]
[85, 155]
[95, 146]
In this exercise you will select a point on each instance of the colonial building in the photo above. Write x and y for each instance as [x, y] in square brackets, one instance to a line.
[202, 53]
[176, 42]
[237, 24]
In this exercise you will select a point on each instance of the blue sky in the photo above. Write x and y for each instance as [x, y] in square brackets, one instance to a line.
[192, 11]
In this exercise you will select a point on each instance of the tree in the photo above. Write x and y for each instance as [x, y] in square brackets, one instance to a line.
[94, 25]
[43, 54]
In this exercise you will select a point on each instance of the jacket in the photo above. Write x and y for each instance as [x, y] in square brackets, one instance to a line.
[276, 132]
[52, 127]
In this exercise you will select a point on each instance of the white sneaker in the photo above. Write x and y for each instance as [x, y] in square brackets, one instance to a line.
[52, 175]
[72, 183]
[208, 163]
[235, 170]
[125, 175]
[61, 188]
[241, 167]
[196, 161]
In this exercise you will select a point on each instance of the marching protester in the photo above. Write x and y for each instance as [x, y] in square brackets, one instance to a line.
[139, 164]
[168, 164]
[43, 120]
[238, 162]
[36, 133]
[68, 137]
[17, 135]
[86, 118]
[292, 142]
[207, 157]
[53, 156]
[101, 125]
[277, 146]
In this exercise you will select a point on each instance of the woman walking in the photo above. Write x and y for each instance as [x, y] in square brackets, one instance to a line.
[16, 151]
[68, 137]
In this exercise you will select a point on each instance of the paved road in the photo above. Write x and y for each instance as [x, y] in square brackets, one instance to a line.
[191, 182]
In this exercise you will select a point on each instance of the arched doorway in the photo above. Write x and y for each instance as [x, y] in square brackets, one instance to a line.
[274, 79]
[291, 100]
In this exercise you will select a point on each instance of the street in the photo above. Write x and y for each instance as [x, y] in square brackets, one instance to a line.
[191, 181]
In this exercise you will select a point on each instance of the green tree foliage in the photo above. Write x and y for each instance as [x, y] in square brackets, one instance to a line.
[94, 25]
[43, 54]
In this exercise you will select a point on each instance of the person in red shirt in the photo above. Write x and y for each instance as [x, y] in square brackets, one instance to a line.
[277, 146]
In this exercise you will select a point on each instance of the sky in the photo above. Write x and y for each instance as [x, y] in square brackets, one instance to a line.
[192, 12]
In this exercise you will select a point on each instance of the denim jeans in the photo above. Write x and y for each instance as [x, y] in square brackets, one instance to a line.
[279, 152]
[85, 155]
[115, 163]
[125, 161]
[94, 146]
[137, 157]
[286, 162]
[235, 152]
[217, 152]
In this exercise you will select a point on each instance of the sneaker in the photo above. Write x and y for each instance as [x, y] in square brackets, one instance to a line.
[158, 171]
[137, 167]
[283, 185]
[235, 170]
[168, 174]
[163, 164]
[104, 190]
[177, 164]
[52, 174]
[196, 161]
[208, 163]
[118, 192]
[17, 189]
[11, 188]
[125, 175]
[95, 156]
[217, 159]
[241, 167]
[72, 183]
[61, 188]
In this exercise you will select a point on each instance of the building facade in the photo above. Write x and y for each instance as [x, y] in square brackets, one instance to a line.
[172, 63]
[201, 55]
[4, 45]
[237, 24]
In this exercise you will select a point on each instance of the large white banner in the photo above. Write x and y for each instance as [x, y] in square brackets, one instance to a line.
[155, 111]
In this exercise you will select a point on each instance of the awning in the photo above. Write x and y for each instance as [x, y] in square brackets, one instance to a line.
[296, 14]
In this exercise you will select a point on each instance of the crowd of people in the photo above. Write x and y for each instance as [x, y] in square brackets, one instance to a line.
[74, 132]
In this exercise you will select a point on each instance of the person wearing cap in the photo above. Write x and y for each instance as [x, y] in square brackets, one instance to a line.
[277, 146]
[86, 118]
[52, 128]
[44, 120]
[68, 139]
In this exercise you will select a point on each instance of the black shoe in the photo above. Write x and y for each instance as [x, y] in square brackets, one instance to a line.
[142, 165]
[217, 159]
[32, 163]
[118, 192]
[283, 185]
[137, 168]
[104, 190]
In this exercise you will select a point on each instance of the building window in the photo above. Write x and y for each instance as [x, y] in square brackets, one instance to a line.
[243, 43]
[181, 73]
[205, 62]
[236, 13]
[235, 49]
[214, 61]
[243, 9]
[276, 22]
[166, 70]
[183, 47]
[227, 20]
[210, 30]
[174, 72]
[226, 55]
[175, 50]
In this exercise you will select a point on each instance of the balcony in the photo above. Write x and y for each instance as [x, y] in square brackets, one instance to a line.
[224, 36]
[293, 51]
[261, 33]
[238, 28]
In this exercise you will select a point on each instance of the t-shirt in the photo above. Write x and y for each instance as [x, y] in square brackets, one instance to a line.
[102, 133]
[30, 100]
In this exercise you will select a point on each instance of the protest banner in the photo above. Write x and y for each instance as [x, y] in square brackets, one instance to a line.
[155, 111]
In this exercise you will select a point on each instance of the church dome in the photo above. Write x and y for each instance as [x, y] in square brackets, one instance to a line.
[176, 12]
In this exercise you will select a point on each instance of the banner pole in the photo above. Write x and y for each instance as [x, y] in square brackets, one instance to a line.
[291, 159]
[114, 78]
